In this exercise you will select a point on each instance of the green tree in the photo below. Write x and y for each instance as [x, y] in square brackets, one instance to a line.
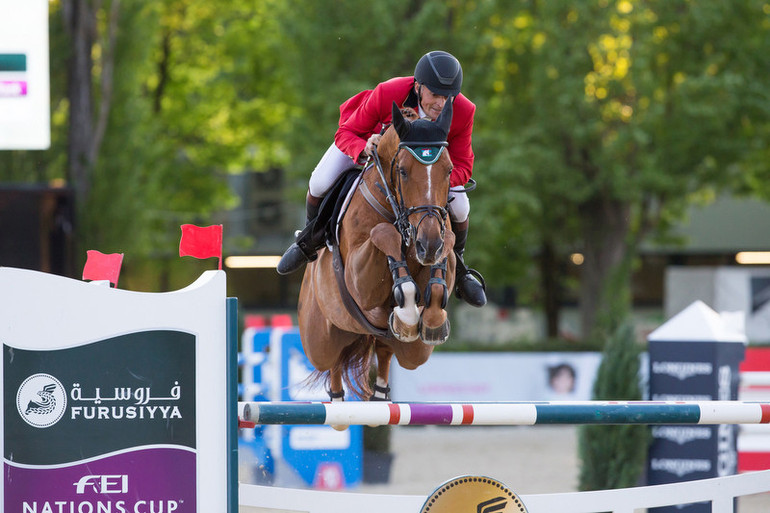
[614, 456]
[153, 104]
[613, 116]
[597, 122]
[336, 49]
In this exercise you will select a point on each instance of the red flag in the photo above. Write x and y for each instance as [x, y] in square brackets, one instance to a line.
[102, 267]
[201, 241]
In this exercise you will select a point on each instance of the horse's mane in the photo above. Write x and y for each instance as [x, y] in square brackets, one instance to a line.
[409, 113]
[416, 129]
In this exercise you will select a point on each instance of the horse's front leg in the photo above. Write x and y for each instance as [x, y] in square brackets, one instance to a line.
[434, 328]
[405, 319]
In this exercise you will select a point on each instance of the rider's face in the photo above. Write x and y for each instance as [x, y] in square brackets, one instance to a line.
[431, 103]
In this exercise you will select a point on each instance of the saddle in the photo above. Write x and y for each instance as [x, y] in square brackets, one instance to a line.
[322, 229]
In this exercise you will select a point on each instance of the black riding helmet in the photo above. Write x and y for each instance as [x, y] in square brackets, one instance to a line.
[440, 72]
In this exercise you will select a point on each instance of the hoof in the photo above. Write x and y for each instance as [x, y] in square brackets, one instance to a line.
[339, 427]
[401, 331]
[435, 336]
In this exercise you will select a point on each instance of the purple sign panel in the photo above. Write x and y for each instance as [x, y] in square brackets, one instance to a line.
[104, 427]
[141, 481]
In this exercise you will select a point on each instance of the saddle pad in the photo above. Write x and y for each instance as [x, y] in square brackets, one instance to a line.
[342, 208]
[331, 206]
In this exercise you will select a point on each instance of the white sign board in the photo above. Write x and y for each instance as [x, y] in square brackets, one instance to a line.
[25, 118]
[115, 400]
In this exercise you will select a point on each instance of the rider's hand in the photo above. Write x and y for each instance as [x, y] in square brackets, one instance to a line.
[371, 144]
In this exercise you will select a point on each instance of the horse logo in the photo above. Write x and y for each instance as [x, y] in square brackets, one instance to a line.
[492, 505]
[466, 494]
[41, 400]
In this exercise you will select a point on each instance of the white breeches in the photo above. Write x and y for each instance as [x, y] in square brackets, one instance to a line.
[334, 162]
[326, 172]
[459, 207]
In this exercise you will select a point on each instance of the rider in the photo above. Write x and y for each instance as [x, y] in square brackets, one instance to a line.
[437, 79]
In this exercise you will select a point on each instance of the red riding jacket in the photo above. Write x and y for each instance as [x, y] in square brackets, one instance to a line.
[367, 112]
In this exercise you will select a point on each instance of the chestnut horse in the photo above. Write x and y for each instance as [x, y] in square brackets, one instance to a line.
[383, 287]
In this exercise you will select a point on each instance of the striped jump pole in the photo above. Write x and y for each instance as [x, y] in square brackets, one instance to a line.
[504, 414]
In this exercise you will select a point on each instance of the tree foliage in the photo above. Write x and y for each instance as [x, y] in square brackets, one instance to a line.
[598, 122]
[614, 456]
[614, 115]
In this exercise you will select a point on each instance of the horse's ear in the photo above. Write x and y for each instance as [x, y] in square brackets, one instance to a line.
[444, 119]
[399, 123]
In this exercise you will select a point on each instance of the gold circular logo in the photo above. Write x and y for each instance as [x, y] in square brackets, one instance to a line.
[473, 494]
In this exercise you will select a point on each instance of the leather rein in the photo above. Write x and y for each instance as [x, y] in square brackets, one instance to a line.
[400, 211]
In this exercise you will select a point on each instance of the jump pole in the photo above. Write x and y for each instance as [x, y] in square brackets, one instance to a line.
[505, 414]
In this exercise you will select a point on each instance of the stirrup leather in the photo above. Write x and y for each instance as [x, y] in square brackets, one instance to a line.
[461, 270]
[470, 279]
[310, 242]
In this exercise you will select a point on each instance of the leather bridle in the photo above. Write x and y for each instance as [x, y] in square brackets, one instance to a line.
[401, 212]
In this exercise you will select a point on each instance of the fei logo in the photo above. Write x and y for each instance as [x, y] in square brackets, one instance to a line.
[41, 400]
[102, 484]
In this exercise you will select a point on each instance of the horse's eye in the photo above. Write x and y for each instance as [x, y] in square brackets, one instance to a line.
[402, 172]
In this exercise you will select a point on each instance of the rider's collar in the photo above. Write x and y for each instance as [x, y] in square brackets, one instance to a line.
[425, 153]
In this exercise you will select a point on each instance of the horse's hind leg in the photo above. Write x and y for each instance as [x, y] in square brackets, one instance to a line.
[381, 388]
[336, 392]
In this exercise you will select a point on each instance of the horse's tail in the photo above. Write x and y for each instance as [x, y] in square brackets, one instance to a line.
[353, 365]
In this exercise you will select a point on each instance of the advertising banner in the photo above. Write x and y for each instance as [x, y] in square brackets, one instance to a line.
[489, 376]
[25, 105]
[91, 420]
[113, 401]
[695, 356]
[275, 368]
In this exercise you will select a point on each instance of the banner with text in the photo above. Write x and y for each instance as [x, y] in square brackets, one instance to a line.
[112, 400]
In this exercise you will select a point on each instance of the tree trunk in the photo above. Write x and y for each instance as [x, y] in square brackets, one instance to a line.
[80, 22]
[604, 279]
[87, 127]
[551, 287]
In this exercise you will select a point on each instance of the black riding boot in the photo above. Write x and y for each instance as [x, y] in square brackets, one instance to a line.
[469, 284]
[303, 250]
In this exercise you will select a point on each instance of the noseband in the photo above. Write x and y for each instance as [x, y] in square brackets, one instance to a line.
[408, 231]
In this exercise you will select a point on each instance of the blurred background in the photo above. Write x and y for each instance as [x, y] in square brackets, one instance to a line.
[617, 142]
[622, 162]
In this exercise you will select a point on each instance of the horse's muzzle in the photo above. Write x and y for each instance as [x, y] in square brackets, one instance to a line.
[429, 249]
[428, 234]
